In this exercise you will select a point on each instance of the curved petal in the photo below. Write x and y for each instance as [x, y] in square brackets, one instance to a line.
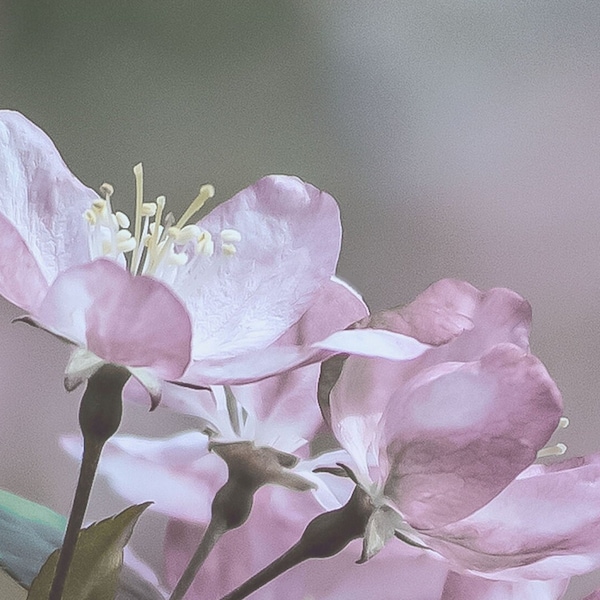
[468, 587]
[460, 433]
[451, 310]
[277, 521]
[43, 203]
[177, 474]
[290, 241]
[532, 530]
[133, 321]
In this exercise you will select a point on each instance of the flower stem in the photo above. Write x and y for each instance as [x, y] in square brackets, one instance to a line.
[325, 536]
[99, 417]
[230, 509]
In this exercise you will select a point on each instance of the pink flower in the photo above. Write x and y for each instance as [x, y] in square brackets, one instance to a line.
[438, 437]
[210, 295]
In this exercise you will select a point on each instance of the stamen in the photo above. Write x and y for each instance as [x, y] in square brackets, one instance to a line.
[563, 423]
[107, 190]
[557, 450]
[228, 249]
[149, 209]
[205, 244]
[89, 216]
[98, 206]
[138, 172]
[231, 235]
[122, 220]
[206, 193]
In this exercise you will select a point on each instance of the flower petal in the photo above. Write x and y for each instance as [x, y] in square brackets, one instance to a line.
[451, 310]
[531, 530]
[335, 306]
[177, 474]
[290, 241]
[133, 321]
[44, 203]
[460, 433]
[468, 587]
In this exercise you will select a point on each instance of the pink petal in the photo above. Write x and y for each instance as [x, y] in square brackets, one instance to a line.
[289, 248]
[532, 530]
[460, 433]
[277, 521]
[593, 596]
[455, 310]
[465, 587]
[44, 203]
[335, 306]
[177, 474]
[133, 321]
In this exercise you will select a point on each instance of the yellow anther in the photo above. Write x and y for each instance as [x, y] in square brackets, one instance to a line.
[90, 216]
[149, 209]
[228, 249]
[122, 220]
[98, 206]
[206, 193]
[107, 190]
[173, 232]
[106, 247]
[205, 245]
[231, 236]
[557, 450]
[123, 235]
[187, 234]
[126, 245]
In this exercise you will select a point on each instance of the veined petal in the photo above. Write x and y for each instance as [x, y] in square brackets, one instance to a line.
[468, 587]
[177, 474]
[461, 432]
[44, 203]
[290, 241]
[532, 530]
[127, 320]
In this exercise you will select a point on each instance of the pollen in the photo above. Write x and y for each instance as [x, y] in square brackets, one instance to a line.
[151, 244]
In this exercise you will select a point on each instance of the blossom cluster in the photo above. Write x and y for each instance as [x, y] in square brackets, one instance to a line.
[437, 412]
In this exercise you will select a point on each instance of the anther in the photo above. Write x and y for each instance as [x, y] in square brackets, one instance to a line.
[90, 217]
[122, 220]
[99, 205]
[228, 249]
[563, 423]
[149, 209]
[107, 190]
[557, 450]
[231, 235]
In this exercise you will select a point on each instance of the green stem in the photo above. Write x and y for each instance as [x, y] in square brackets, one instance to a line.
[325, 536]
[99, 418]
[89, 464]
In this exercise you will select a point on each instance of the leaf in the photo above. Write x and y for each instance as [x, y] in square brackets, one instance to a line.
[94, 572]
[29, 532]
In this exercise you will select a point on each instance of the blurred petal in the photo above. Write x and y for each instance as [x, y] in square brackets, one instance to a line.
[290, 243]
[460, 433]
[177, 474]
[133, 321]
[544, 525]
[465, 587]
[42, 206]
[277, 521]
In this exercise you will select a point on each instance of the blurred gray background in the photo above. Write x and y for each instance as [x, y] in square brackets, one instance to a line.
[460, 138]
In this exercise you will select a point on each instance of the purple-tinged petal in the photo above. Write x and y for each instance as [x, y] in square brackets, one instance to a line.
[461, 432]
[452, 310]
[133, 321]
[544, 525]
[21, 279]
[277, 521]
[44, 203]
[593, 596]
[290, 241]
[177, 474]
[466, 587]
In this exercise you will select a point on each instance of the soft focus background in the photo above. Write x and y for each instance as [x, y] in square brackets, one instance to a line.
[460, 138]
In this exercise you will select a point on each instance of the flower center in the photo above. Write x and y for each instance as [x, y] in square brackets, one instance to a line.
[157, 246]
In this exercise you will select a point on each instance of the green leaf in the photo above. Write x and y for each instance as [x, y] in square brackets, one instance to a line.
[29, 532]
[94, 573]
